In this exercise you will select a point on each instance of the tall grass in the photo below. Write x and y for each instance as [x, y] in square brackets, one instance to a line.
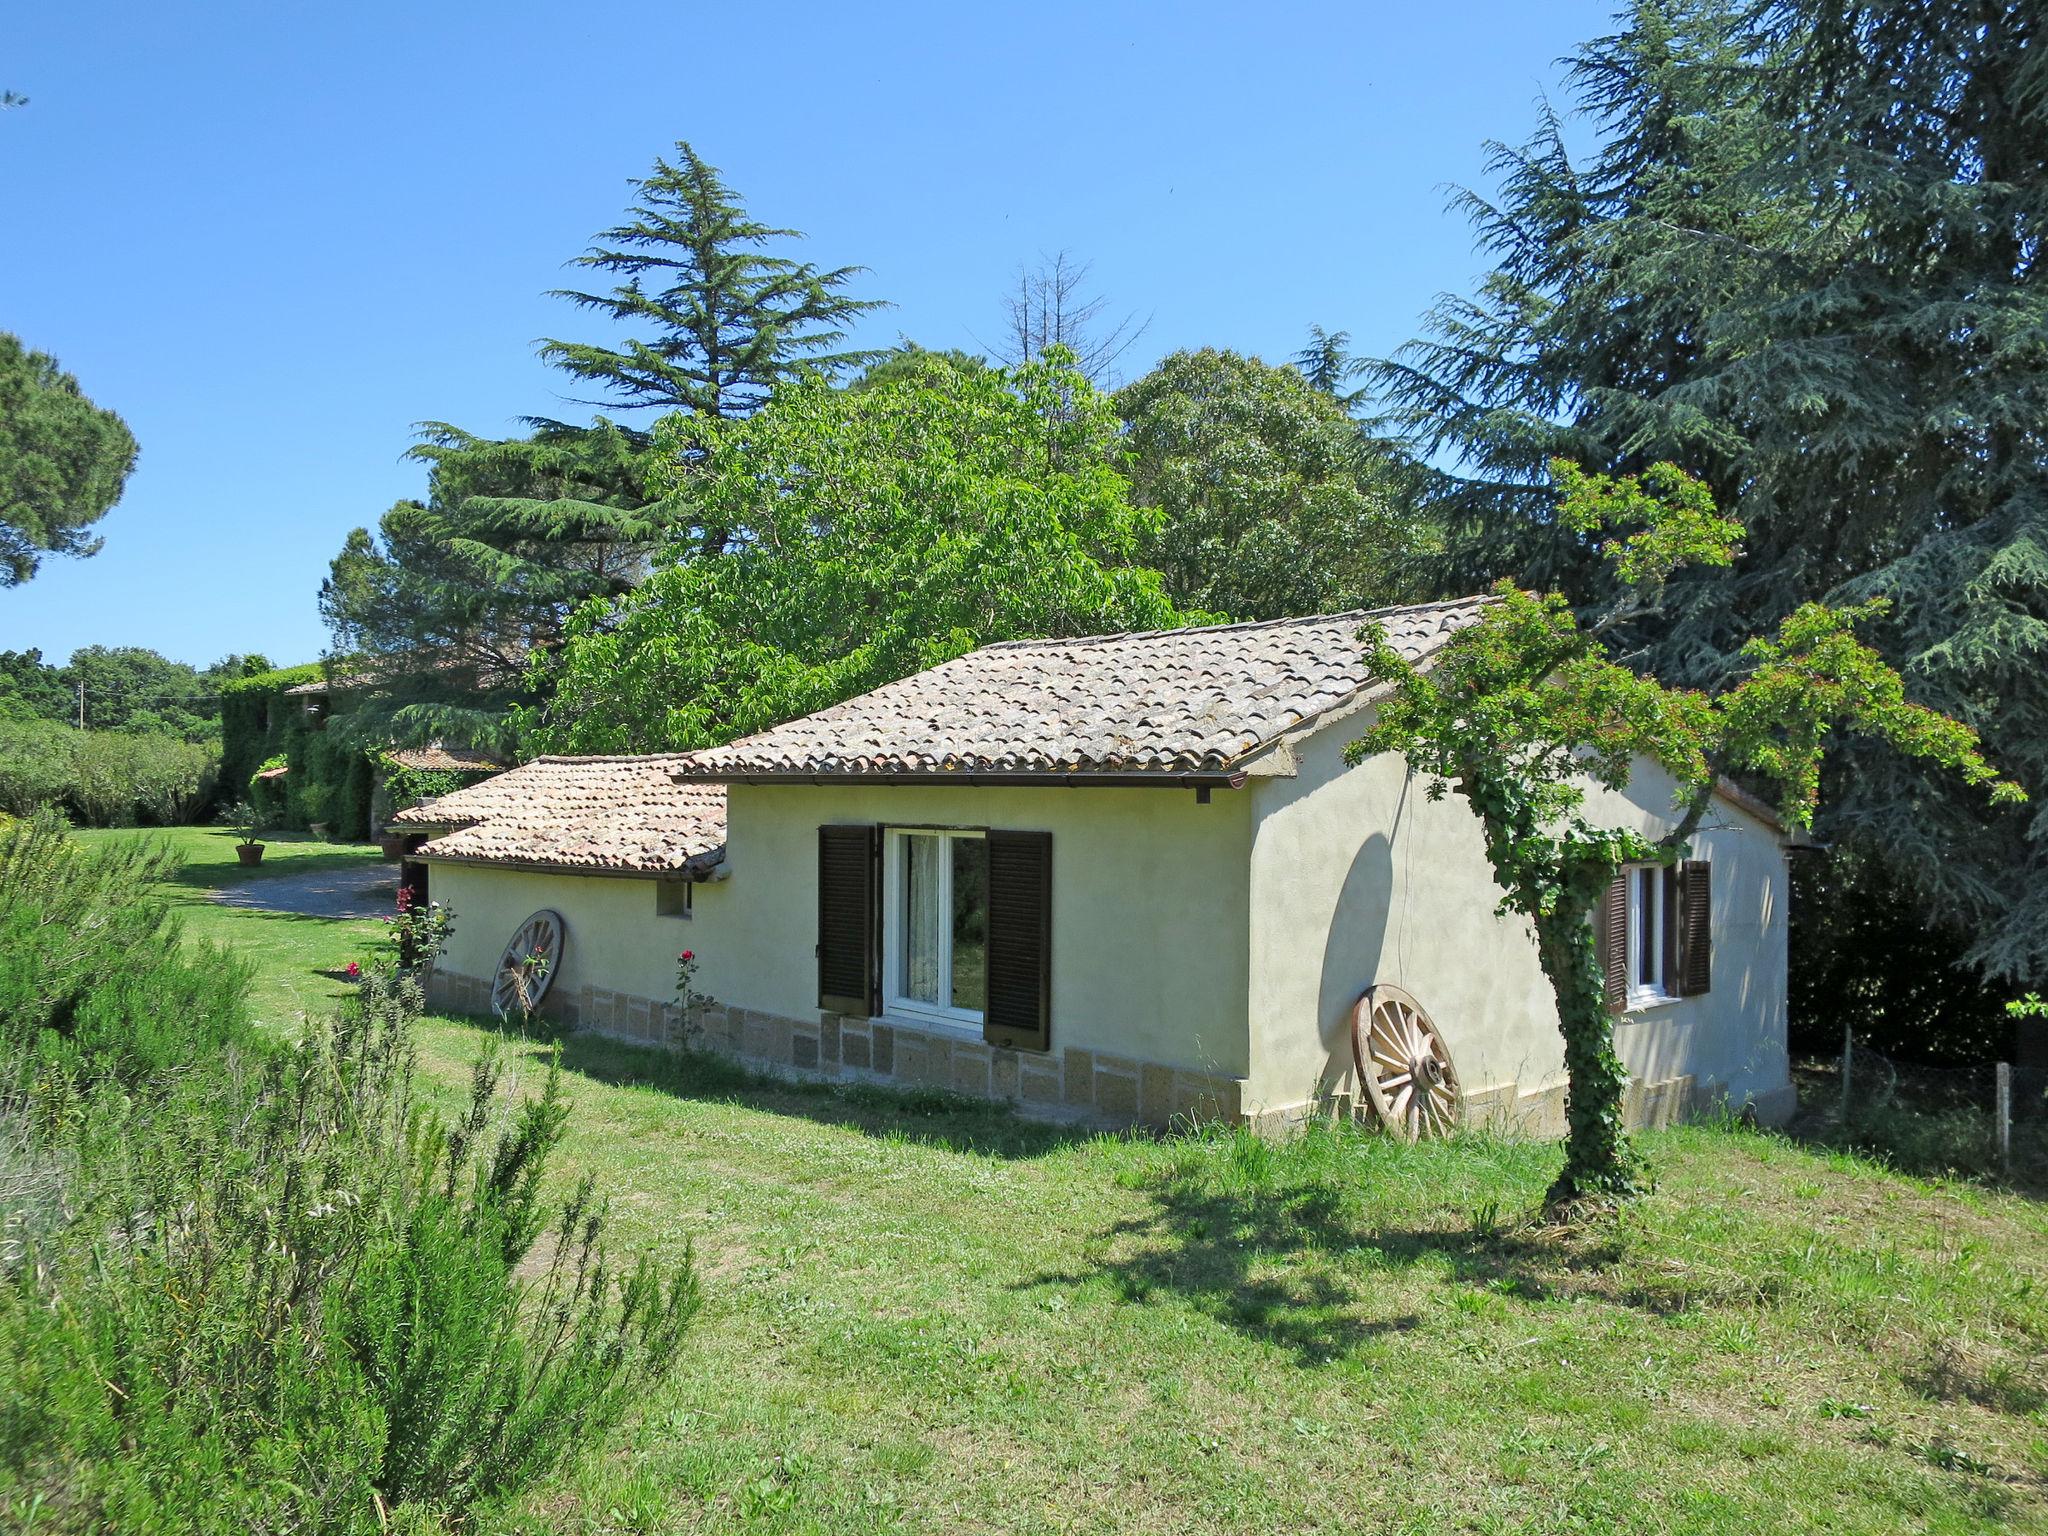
[256, 1285]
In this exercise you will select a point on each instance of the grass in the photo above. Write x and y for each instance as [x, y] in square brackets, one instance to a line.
[929, 1316]
[295, 956]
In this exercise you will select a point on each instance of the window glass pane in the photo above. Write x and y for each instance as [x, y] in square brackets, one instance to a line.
[970, 923]
[1646, 926]
[921, 931]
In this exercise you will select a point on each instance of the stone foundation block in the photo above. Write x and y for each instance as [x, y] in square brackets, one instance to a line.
[1155, 1094]
[1080, 1067]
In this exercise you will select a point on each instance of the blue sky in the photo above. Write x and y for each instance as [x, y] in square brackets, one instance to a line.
[275, 236]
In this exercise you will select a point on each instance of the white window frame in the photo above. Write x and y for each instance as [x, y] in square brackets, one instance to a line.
[1651, 989]
[895, 931]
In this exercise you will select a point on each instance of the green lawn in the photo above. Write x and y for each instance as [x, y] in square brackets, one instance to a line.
[927, 1317]
[294, 955]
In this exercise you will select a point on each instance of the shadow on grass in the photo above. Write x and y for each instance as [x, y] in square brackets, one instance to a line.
[914, 1116]
[1291, 1243]
[1949, 1376]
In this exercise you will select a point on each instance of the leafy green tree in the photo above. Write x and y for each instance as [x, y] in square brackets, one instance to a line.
[32, 689]
[1520, 710]
[876, 531]
[1274, 502]
[1801, 261]
[133, 689]
[63, 462]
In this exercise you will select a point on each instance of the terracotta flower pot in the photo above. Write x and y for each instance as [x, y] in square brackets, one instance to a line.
[249, 853]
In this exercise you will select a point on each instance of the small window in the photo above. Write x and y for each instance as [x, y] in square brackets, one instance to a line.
[1652, 943]
[937, 924]
[672, 897]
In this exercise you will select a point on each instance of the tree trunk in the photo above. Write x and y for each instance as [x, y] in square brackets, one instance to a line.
[1598, 1160]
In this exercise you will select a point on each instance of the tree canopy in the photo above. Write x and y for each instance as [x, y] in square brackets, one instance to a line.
[1274, 502]
[1801, 261]
[875, 531]
[63, 462]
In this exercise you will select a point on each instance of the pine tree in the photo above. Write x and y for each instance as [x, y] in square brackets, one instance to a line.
[721, 321]
[63, 462]
[456, 606]
[1799, 265]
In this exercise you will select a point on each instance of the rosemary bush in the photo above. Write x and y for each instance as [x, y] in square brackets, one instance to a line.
[280, 1294]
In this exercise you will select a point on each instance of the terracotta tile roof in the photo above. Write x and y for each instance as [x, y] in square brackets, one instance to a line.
[1164, 702]
[440, 759]
[624, 814]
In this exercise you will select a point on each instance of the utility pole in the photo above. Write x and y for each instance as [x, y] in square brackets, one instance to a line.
[81, 703]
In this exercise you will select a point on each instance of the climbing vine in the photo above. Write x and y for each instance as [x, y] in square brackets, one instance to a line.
[1525, 708]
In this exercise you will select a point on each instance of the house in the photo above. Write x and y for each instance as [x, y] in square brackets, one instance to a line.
[1117, 879]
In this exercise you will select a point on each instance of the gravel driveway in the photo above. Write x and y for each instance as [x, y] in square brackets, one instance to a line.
[369, 890]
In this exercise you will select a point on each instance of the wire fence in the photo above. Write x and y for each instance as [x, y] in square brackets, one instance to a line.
[1986, 1120]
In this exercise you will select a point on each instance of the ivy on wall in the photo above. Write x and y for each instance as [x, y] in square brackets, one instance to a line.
[327, 779]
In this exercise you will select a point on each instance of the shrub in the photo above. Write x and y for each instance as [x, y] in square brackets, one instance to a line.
[93, 971]
[107, 778]
[35, 764]
[291, 1297]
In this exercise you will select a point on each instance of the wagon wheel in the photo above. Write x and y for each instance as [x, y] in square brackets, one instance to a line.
[1404, 1064]
[527, 967]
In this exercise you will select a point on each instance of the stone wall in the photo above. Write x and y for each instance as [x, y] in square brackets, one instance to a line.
[1091, 1087]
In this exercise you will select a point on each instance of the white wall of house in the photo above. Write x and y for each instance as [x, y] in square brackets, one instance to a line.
[1231, 938]
[1149, 921]
[613, 938]
[1358, 877]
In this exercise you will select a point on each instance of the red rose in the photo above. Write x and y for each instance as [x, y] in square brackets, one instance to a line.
[687, 955]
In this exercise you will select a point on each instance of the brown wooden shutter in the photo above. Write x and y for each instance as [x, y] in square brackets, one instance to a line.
[849, 907]
[1696, 929]
[1612, 926]
[1019, 1009]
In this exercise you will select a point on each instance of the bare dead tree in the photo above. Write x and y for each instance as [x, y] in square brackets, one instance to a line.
[1050, 308]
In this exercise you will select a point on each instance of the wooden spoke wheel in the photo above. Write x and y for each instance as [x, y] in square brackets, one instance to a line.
[1404, 1065]
[527, 967]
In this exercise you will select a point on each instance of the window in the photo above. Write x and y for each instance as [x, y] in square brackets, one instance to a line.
[950, 925]
[672, 898]
[935, 924]
[1656, 934]
[1650, 959]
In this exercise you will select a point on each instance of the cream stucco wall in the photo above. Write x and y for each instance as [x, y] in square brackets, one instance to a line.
[1149, 939]
[1229, 939]
[1149, 923]
[1358, 877]
[614, 937]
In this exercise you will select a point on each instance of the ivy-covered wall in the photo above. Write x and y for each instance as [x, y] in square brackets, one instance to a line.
[326, 778]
